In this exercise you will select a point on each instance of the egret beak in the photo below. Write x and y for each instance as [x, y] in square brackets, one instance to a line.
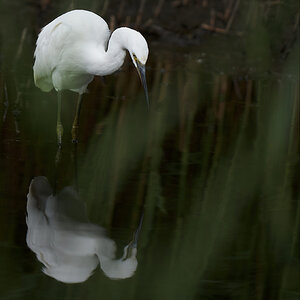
[142, 73]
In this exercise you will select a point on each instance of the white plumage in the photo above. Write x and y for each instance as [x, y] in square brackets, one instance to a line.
[60, 50]
[71, 49]
[66, 243]
[75, 47]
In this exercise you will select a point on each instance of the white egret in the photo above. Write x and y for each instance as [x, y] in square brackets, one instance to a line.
[75, 47]
[68, 245]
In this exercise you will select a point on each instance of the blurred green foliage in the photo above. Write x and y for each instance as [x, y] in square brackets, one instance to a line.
[214, 165]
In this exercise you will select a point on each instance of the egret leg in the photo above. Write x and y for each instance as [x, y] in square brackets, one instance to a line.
[59, 127]
[76, 120]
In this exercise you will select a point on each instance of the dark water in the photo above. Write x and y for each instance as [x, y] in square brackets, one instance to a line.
[210, 173]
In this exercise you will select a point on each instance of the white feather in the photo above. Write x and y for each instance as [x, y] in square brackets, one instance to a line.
[72, 49]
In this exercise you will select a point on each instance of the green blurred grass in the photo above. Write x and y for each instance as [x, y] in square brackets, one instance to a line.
[214, 165]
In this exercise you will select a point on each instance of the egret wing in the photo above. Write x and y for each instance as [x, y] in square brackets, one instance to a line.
[61, 44]
[49, 49]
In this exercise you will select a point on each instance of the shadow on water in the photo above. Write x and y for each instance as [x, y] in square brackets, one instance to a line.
[212, 169]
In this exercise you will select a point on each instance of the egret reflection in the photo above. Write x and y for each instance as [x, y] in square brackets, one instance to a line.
[66, 243]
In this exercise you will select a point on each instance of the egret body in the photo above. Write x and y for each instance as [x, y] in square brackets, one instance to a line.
[75, 47]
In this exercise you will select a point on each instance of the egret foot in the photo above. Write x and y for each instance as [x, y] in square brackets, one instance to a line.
[74, 133]
[59, 132]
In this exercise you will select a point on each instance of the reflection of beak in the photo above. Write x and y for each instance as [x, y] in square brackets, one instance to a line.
[142, 73]
[133, 244]
[137, 233]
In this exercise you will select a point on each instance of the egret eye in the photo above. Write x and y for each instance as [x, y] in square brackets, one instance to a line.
[134, 56]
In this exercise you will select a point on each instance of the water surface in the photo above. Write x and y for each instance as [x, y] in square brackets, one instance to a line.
[211, 170]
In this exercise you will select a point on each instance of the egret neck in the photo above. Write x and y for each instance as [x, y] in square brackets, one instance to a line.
[99, 63]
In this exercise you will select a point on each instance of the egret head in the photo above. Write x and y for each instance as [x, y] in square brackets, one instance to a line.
[137, 47]
[121, 268]
[138, 50]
